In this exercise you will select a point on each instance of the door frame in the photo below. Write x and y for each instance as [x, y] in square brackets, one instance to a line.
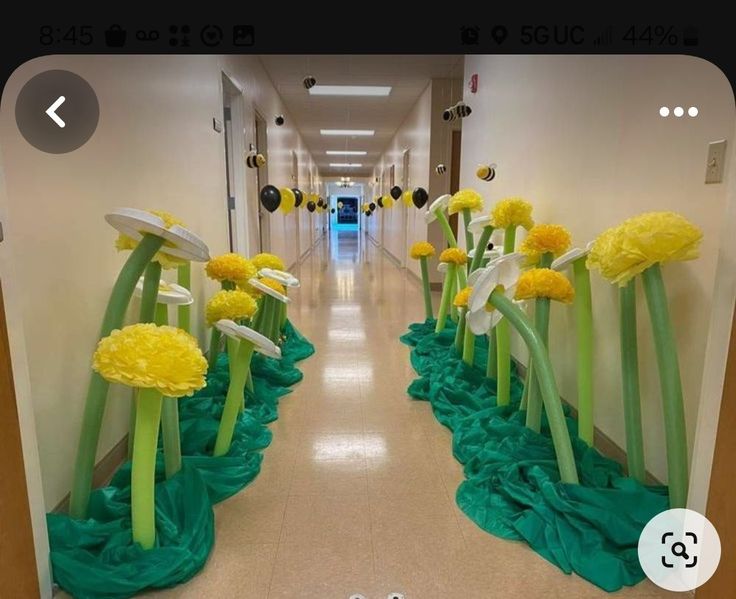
[234, 147]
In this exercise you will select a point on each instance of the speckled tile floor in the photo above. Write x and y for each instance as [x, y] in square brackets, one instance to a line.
[356, 493]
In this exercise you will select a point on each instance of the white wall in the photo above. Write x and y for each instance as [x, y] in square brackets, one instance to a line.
[398, 227]
[155, 147]
[581, 138]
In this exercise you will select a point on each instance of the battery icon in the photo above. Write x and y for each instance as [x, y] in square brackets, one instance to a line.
[690, 36]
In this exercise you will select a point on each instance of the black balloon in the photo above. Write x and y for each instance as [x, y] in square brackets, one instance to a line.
[490, 247]
[395, 192]
[311, 206]
[270, 198]
[372, 206]
[379, 201]
[299, 196]
[333, 211]
[419, 196]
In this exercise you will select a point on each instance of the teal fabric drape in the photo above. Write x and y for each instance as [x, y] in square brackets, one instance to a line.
[96, 558]
[512, 487]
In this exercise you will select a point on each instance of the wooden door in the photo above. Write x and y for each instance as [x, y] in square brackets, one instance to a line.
[18, 574]
[721, 510]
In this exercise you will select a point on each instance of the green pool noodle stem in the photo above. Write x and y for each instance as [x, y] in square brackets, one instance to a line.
[446, 296]
[583, 306]
[527, 377]
[215, 338]
[492, 363]
[446, 229]
[509, 239]
[544, 373]
[535, 402]
[630, 382]
[468, 341]
[485, 236]
[541, 322]
[467, 217]
[184, 313]
[503, 375]
[169, 415]
[460, 331]
[94, 406]
[143, 470]
[671, 385]
[149, 295]
[234, 398]
[428, 308]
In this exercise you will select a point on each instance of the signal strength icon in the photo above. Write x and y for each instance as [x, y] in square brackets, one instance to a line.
[605, 38]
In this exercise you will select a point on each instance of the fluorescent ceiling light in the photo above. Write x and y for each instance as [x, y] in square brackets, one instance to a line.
[345, 164]
[346, 152]
[347, 132]
[350, 90]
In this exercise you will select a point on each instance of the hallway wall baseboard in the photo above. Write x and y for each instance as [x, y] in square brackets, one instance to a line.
[388, 254]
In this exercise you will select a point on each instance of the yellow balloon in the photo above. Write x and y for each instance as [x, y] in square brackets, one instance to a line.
[288, 200]
[406, 198]
[388, 202]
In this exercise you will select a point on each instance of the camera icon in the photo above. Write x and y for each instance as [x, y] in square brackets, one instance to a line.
[680, 549]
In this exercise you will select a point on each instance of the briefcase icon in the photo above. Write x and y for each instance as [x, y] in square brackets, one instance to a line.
[115, 36]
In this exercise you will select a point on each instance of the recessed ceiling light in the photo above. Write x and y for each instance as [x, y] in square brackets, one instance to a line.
[347, 132]
[345, 164]
[350, 90]
[346, 152]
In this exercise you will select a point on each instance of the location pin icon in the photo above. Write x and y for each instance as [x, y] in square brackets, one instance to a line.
[499, 34]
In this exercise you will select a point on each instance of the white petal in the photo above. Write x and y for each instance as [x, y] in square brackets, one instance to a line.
[182, 242]
[268, 291]
[283, 277]
[440, 203]
[175, 294]
[569, 257]
[479, 223]
[262, 344]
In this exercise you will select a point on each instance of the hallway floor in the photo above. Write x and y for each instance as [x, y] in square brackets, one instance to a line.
[356, 492]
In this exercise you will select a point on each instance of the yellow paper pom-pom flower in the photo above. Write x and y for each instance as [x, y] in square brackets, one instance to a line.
[512, 212]
[153, 357]
[465, 198]
[167, 261]
[230, 304]
[544, 282]
[268, 261]
[624, 251]
[273, 284]
[406, 197]
[544, 239]
[462, 297]
[454, 255]
[421, 249]
[230, 267]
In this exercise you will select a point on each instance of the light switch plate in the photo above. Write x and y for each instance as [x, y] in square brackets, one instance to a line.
[716, 161]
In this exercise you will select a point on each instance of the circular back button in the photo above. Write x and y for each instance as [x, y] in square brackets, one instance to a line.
[57, 111]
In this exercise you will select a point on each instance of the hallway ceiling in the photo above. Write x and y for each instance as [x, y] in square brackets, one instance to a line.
[408, 76]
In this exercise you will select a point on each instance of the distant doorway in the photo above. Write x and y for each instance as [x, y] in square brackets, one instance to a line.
[346, 212]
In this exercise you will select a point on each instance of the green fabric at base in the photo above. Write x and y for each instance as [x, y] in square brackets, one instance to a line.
[512, 487]
[96, 558]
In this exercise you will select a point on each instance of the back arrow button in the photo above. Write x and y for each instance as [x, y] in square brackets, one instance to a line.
[51, 111]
